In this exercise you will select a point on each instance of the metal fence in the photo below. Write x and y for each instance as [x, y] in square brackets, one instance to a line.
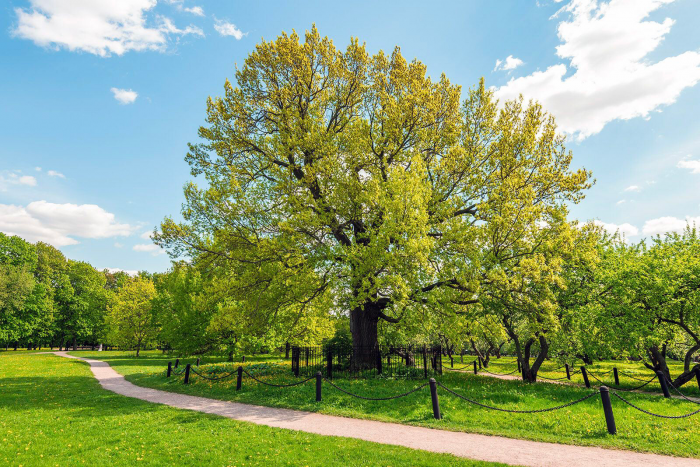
[411, 361]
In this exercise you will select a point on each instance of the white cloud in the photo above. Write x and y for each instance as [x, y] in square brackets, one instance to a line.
[12, 178]
[57, 224]
[632, 188]
[622, 201]
[100, 27]
[124, 96]
[38, 169]
[667, 224]
[607, 44]
[628, 230]
[131, 272]
[118, 245]
[53, 173]
[146, 235]
[195, 10]
[510, 63]
[229, 29]
[692, 165]
[155, 250]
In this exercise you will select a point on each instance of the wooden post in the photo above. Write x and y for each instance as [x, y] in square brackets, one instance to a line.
[607, 409]
[434, 398]
[585, 377]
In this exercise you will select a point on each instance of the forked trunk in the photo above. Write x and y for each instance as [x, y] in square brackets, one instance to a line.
[658, 361]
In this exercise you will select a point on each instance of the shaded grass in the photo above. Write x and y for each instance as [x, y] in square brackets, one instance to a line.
[53, 412]
[582, 424]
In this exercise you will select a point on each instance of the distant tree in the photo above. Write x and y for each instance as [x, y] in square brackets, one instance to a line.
[131, 321]
[656, 300]
[81, 304]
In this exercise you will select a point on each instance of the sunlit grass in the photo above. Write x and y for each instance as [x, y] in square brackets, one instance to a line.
[54, 412]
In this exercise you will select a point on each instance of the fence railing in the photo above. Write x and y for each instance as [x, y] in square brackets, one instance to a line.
[411, 361]
[604, 392]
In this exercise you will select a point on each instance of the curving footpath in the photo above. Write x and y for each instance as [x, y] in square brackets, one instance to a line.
[472, 446]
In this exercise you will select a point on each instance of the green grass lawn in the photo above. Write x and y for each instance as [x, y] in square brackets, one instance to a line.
[582, 424]
[53, 412]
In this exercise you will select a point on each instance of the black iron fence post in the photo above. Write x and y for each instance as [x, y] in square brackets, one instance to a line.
[243, 359]
[329, 364]
[319, 379]
[617, 377]
[434, 397]
[452, 362]
[425, 362]
[475, 372]
[568, 371]
[197, 361]
[187, 374]
[239, 378]
[607, 409]
[585, 377]
[177, 362]
[170, 369]
[662, 382]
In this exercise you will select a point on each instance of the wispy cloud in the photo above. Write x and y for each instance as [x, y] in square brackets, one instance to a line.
[124, 96]
[510, 63]
[53, 173]
[228, 29]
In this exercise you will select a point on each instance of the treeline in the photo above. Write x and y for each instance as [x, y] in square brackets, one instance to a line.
[48, 300]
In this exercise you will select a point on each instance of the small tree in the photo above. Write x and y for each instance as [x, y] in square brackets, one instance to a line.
[130, 318]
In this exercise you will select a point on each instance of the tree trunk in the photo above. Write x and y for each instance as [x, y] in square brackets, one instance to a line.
[138, 349]
[363, 326]
[658, 361]
[230, 356]
[530, 372]
[75, 343]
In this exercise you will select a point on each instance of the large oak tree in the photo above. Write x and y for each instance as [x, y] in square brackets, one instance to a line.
[357, 182]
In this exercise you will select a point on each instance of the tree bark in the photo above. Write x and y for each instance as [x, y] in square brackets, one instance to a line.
[658, 361]
[529, 373]
[363, 327]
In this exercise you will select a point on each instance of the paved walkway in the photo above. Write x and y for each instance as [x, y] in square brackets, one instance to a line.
[472, 446]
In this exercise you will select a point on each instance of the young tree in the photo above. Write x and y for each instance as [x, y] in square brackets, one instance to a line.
[354, 180]
[131, 320]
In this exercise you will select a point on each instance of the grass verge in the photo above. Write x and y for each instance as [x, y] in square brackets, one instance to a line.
[54, 412]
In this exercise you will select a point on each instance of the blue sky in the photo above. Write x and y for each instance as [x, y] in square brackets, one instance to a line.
[100, 98]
